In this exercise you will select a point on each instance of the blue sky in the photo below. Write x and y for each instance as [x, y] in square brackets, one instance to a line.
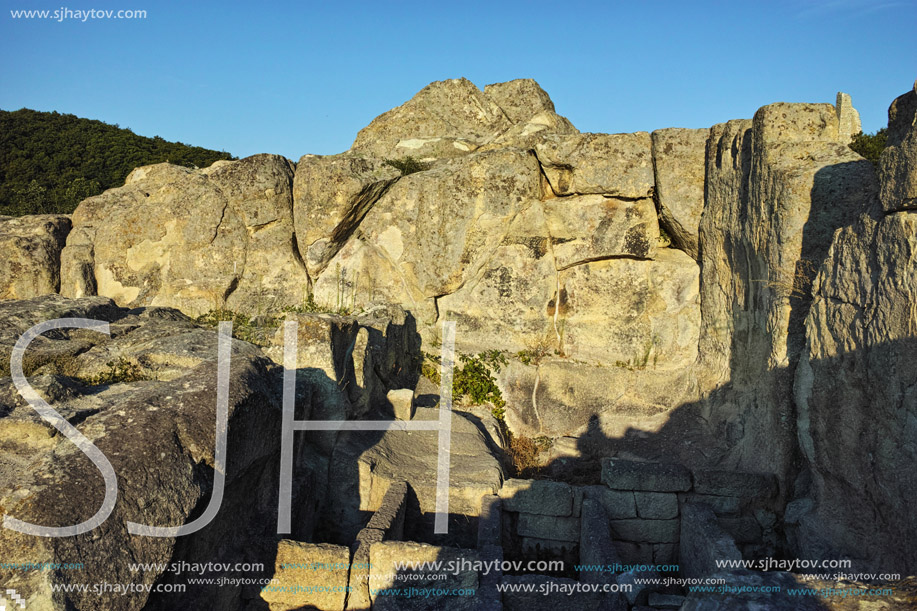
[304, 77]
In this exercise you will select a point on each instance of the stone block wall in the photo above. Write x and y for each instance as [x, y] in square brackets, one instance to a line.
[644, 504]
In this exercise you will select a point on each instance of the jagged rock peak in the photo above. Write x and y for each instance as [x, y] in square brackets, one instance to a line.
[453, 117]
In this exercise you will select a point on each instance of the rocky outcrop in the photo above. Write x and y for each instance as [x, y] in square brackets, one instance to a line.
[453, 118]
[145, 396]
[857, 430]
[200, 240]
[898, 165]
[31, 247]
[777, 188]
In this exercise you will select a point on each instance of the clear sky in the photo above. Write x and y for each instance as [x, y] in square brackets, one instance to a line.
[304, 77]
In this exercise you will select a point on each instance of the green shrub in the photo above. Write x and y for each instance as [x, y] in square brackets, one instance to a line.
[869, 146]
[473, 380]
[243, 326]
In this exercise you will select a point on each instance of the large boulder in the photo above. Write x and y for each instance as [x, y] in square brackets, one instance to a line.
[31, 247]
[453, 118]
[678, 163]
[617, 165]
[331, 195]
[223, 238]
[146, 397]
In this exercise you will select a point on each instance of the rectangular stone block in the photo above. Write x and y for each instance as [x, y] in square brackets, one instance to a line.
[537, 496]
[383, 574]
[327, 567]
[618, 504]
[721, 505]
[490, 521]
[645, 531]
[665, 553]
[634, 553]
[703, 543]
[533, 544]
[656, 505]
[402, 401]
[548, 527]
[735, 483]
[389, 518]
[579, 493]
[620, 474]
[596, 546]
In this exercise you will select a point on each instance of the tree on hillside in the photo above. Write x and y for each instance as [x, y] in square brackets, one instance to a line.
[50, 162]
[869, 146]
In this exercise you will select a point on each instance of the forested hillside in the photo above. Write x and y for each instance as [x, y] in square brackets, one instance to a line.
[49, 162]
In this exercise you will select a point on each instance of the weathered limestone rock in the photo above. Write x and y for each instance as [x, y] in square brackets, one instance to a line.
[637, 313]
[548, 527]
[703, 542]
[777, 189]
[402, 401]
[453, 118]
[621, 474]
[366, 463]
[223, 238]
[616, 165]
[351, 362]
[520, 99]
[858, 430]
[162, 384]
[559, 397]
[31, 247]
[678, 163]
[504, 306]
[386, 556]
[331, 195]
[542, 497]
[656, 505]
[312, 575]
[444, 119]
[432, 232]
[898, 164]
[592, 227]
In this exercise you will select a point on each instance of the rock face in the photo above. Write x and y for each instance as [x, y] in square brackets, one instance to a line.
[858, 430]
[146, 398]
[774, 335]
[31, 248]
[221, 237]
[898, 165]
[777, 189]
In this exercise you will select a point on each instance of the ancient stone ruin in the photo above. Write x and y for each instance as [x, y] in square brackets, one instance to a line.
[708, 335]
